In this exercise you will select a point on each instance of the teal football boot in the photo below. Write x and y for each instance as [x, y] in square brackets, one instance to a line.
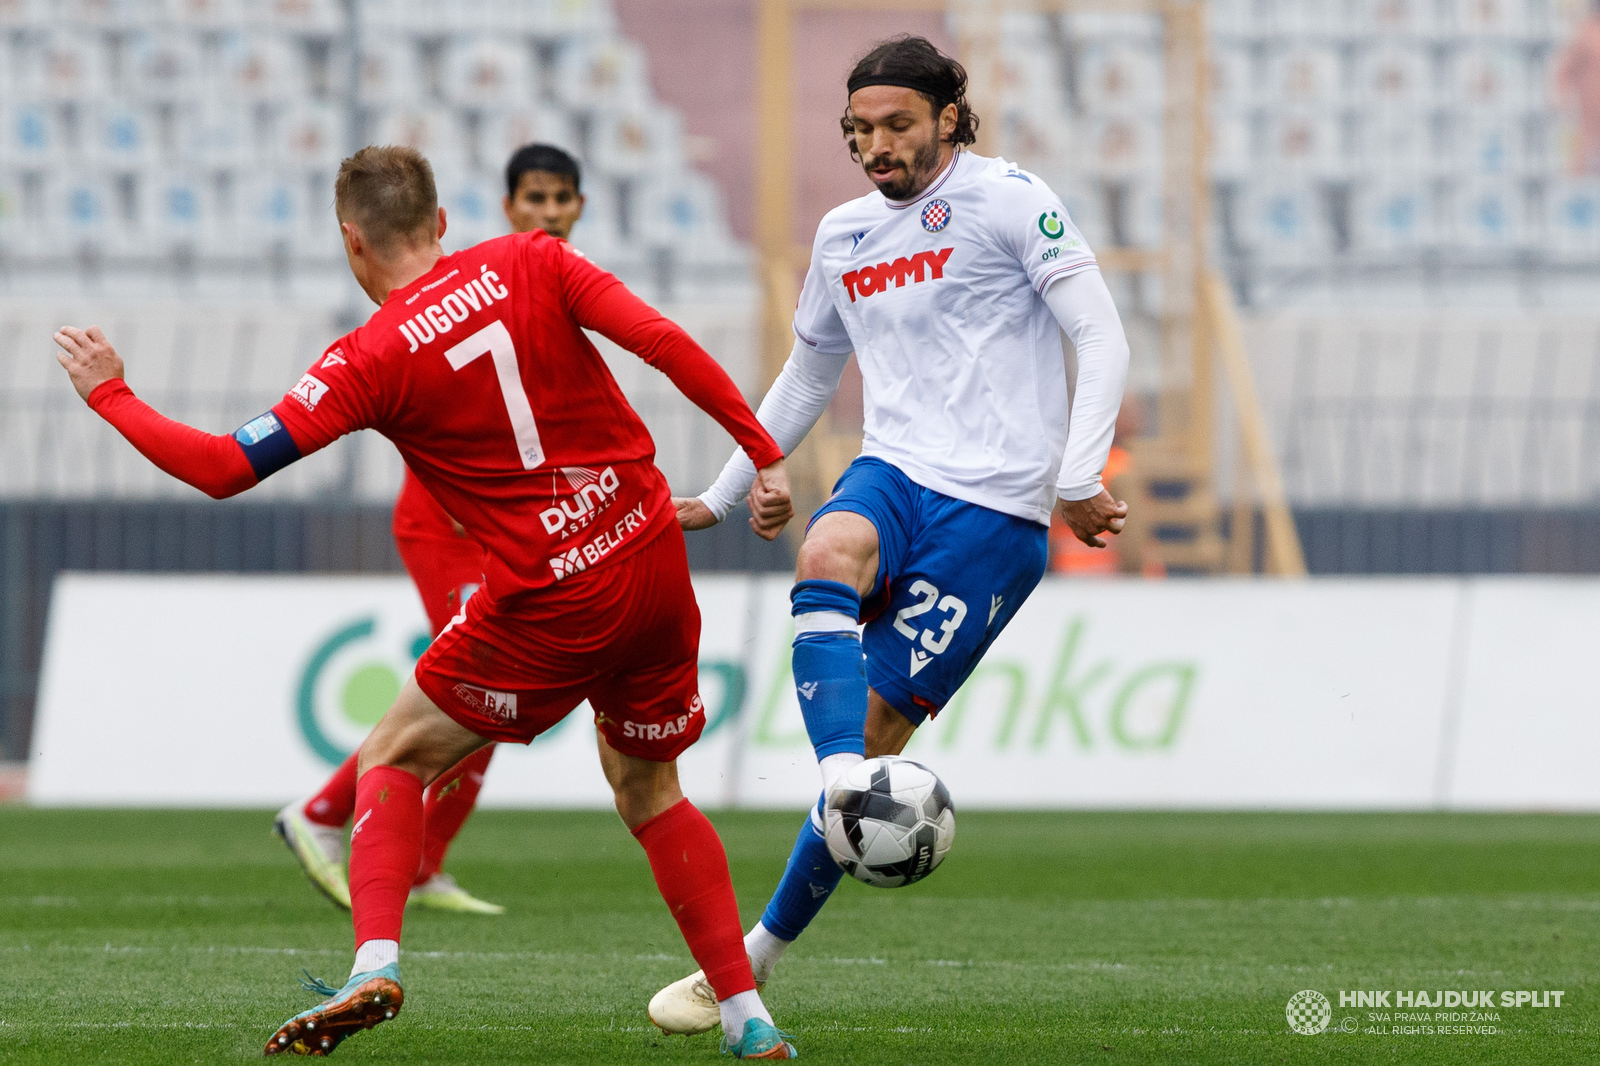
[760, 1040]
[364, 1001]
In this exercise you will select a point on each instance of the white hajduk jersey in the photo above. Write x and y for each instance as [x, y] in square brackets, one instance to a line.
[941, 299]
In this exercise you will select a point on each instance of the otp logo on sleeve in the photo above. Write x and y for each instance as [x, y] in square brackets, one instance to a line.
[309, 391]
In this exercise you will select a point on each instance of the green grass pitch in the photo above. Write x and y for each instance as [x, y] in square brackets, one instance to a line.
[175, 937]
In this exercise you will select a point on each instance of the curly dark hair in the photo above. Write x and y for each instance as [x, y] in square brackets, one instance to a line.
[939, 79]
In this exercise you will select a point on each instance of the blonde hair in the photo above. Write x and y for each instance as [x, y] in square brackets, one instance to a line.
[388, 191]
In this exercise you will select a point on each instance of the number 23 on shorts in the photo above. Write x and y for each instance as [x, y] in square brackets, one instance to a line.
[955, 613]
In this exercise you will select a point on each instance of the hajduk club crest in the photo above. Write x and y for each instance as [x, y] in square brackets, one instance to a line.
[936, 216]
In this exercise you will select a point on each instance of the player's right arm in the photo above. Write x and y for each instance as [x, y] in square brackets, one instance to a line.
[219, 465]
[802, 391]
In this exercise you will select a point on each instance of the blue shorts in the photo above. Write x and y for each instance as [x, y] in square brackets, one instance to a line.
[950, 576]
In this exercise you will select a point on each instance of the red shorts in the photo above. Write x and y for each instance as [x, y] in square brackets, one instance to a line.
[626, 637]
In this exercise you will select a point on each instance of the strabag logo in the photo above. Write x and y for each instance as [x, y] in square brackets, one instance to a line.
[924, 266]
[672, 727]
[501, 706]
[309, 391]
[593, 492]
[604, 543]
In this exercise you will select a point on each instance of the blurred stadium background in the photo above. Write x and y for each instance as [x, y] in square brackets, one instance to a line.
[1356, 244]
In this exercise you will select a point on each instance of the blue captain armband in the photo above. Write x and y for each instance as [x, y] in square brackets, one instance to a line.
[267, 444]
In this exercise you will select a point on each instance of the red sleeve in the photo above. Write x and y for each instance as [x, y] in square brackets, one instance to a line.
[331, 398]
[602, 303]
[213, 463]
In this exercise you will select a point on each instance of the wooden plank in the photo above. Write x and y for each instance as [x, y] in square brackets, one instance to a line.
[1284, 556]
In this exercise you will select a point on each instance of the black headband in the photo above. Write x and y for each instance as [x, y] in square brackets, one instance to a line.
[926, 88]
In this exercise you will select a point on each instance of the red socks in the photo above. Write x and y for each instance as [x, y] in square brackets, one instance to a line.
[691, 870]
[385, 851]
[332, 806]
[450, 799]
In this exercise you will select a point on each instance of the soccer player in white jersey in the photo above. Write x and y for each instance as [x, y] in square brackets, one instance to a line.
[951, 283]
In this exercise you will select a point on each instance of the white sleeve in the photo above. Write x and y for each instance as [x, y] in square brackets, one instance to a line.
[1088, 316]
[791, 407]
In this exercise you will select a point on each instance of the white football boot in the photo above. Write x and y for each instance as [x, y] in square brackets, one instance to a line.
[688, 1006]
[320, 850]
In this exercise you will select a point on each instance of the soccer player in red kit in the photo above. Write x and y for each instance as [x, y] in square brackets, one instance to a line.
[543, 191]
[475, 365]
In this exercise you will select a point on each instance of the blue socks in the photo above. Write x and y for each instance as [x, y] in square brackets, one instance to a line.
[808, 881]
[830, 679]
[830, 675]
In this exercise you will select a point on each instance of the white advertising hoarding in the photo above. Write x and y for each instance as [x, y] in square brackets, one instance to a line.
[1362, 694]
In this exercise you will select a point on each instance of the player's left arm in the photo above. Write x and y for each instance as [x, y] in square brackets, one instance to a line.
[1083, 307]
[1032, 223]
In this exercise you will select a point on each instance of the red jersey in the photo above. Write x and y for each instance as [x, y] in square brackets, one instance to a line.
[480, 373]
[417, 515]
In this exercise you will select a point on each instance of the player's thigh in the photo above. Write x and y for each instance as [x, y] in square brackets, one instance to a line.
[445, 572]
[967, 572]
[840, 546]
[863, 532]
[506, 677]
[416, 736]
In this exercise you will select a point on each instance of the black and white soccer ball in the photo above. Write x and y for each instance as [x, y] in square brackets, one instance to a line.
[889, 822]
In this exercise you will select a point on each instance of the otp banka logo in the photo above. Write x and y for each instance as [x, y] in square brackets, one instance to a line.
[351, 680]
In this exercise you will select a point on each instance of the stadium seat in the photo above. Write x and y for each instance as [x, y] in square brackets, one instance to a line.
[488, 72]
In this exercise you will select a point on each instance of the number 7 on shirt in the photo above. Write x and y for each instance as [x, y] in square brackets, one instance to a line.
[493, 340]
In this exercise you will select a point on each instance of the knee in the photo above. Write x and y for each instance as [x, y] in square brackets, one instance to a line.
[817, 560]
[643, 789]
[825, 559]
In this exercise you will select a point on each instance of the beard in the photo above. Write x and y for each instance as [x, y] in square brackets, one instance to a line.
[913, 178]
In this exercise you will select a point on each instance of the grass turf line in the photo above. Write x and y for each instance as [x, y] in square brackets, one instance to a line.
[132, 937]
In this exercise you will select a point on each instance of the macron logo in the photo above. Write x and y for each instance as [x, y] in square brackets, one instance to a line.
[809, 689]
[923, 266]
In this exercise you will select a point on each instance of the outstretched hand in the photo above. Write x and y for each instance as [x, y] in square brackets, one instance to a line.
[1089, 518]
[770, 506]
[88, 357]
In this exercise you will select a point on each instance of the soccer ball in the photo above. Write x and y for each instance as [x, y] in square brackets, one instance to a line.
[889, 822]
